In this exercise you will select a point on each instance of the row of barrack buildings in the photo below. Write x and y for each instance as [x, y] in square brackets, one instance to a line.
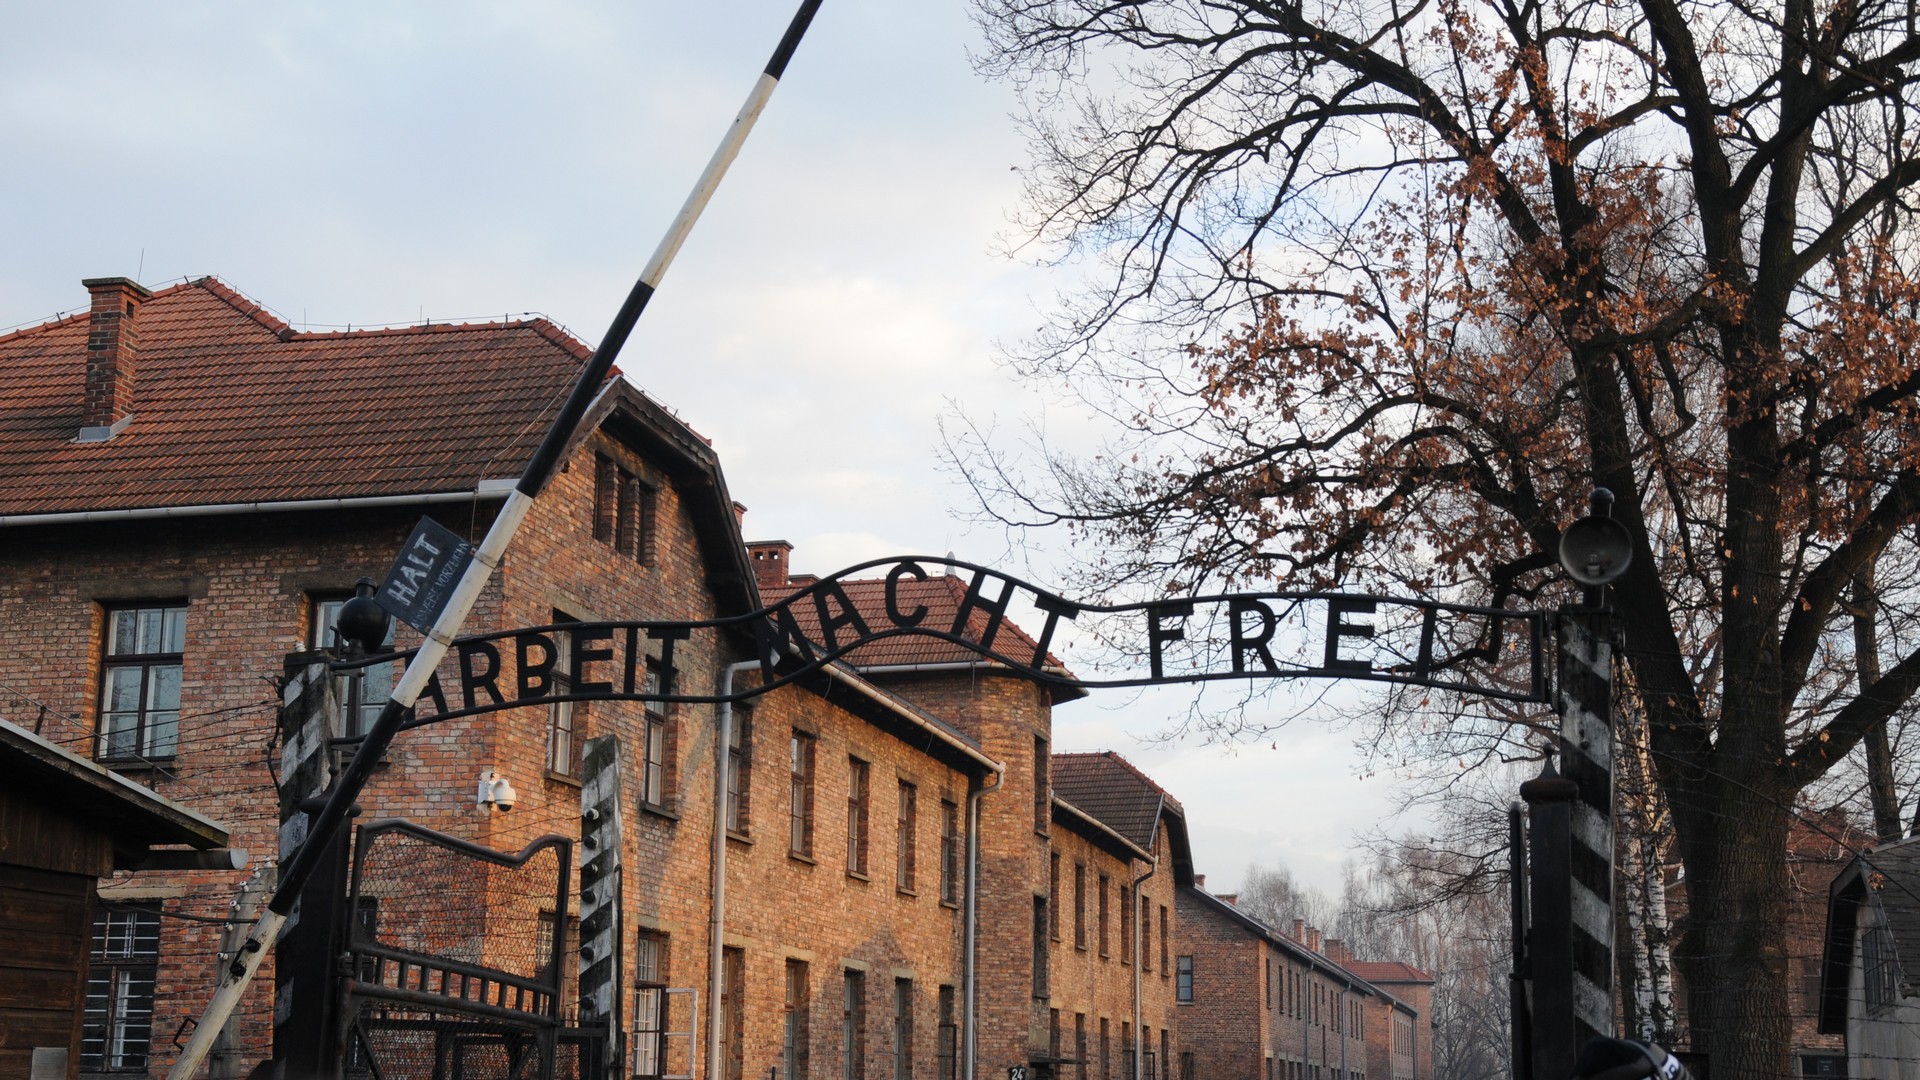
[885, 870]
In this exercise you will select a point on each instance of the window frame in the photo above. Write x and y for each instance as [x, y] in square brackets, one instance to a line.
[859, 820]
[1106, 883]
[650, 988]
[147, 748]
[739, 798]
[906, 837]
[1053, 896]
[1183, 981]
[565, 760]
[360, 698]
[656, 757]
[801, 752]
[949, 852]
[120, 979]
[796, 1038]
[1080, 905]
[902, 1029]
[853, 1024]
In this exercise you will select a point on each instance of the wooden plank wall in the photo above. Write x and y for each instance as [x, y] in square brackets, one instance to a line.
[45, 923]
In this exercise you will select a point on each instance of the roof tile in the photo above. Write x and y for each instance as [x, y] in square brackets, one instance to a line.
[232, 405]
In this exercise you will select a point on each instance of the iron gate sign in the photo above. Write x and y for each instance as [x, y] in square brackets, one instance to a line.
[1190, 640]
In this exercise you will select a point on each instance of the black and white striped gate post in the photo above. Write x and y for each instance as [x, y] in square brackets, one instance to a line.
[601, 838]
[1586, 746]
[1595, 551]
[304, 986]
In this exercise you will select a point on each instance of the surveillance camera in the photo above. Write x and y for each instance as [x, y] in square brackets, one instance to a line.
[495, 792]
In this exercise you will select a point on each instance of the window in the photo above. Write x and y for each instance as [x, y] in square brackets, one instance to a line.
[1042, 797]
[140, 683]
[1269, 984]
[1106, 1052]
[739, 770]
[949, 852]
[794, 1039]
[800, 811]
[563, 717]
[1146, 934]
[606, 498]
[118, 1021]
[653, 764]
[1166, 1047]
[1040, 947]
[1126, 924]
[859, 781]
[1105, 881]
[1053, 1032]
[1053, 893]
[1126, 1049]
[906, 833]
[363, 693]
[1186, 1065]
[853, 1026]
[903, 1029]
[1880, 968]
[1165, 972]
[1080, 1045]
[1079, 905]
[946, 1048]
[649, 1005]
[1183, 984]
[624, 511]
[733, 988]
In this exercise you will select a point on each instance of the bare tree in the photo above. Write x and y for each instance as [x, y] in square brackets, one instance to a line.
[1383, 286]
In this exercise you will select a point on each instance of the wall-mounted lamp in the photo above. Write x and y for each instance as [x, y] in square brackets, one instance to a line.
[495, 792]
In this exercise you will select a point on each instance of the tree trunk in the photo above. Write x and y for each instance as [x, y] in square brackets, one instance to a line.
[1733, 952]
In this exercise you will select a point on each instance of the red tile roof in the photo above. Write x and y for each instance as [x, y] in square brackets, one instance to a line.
[232, 405]
[1387, 971]
[1108, 788]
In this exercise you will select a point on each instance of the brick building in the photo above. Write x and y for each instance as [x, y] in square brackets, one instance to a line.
[1273, 1005]
[912, 879]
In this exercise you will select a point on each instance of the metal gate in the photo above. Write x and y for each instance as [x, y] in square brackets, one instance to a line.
[455, 966]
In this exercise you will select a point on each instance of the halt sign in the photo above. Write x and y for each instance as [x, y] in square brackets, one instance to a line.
[423, 577]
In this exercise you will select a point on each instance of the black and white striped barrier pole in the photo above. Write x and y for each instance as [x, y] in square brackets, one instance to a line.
[439, 638]
[1595, 551]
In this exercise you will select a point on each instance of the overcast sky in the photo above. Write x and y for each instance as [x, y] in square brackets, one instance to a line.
[375, 163]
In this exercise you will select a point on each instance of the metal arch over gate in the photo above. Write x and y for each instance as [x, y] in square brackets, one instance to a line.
[1190, 640]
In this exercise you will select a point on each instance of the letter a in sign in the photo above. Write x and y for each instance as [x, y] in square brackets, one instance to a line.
[423, 577]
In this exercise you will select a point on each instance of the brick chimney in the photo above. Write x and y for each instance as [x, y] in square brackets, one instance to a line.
[1313, 940]
[770, 560]
[113, 356]
[1199, 881]
[1232, 898]
[1300, 931]
[1337, 951]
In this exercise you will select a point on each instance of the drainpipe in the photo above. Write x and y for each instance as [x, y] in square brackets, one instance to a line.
[970, 922]
[717, 913]
[1139, 960]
